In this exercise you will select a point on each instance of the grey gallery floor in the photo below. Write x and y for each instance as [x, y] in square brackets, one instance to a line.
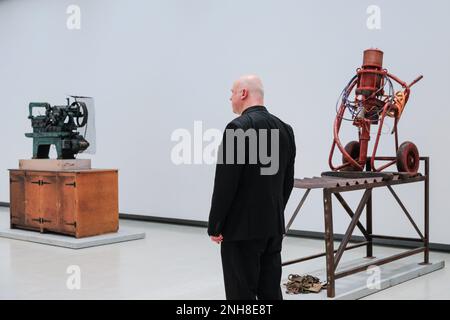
[172, 262]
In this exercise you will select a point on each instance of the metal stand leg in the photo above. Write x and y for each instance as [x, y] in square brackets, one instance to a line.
[369, 249]
[426, 258]
[329, 246]
[297, 211]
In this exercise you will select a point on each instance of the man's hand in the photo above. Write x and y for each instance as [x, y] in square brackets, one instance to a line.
[217, 239]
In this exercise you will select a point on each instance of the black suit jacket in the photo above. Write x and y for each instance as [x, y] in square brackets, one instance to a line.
[245, 203]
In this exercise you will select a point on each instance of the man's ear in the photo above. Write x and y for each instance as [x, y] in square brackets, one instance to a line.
[244, 94]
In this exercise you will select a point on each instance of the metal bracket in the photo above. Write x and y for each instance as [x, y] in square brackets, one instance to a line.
[74, 224]
[40, 182]
[41, 220]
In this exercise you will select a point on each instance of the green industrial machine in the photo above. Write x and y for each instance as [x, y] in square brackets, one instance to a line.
[58, 127]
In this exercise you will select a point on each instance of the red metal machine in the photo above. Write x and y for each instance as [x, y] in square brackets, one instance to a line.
[374, 99]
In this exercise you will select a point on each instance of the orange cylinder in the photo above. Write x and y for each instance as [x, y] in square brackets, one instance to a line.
[369, 76]
[373, 58]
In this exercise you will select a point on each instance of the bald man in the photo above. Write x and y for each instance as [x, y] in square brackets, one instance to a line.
[249, 196]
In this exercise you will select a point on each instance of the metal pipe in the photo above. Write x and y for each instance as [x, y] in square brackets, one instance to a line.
[378, 262]
[377, 140]
[427, 211]
[305, 195]
[328, 214]
[405, 211]
[323, 254]
[351, 227]
[350, 212]
[369, 249]
[378, 236]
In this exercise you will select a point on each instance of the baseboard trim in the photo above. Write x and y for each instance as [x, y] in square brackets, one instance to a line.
[439, 247]
[181, 222]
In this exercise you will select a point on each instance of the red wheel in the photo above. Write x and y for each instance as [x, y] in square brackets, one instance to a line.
[408, 157]
[352, 149]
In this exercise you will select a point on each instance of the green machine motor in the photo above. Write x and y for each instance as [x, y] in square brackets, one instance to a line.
[58, 127]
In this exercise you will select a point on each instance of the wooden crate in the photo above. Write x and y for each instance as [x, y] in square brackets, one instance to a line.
[79, 203]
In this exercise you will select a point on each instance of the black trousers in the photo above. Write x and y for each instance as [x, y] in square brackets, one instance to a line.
[252, 269]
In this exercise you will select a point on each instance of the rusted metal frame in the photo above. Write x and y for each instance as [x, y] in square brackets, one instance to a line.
[426, 258]
[337, 126]
[380, 72]
[342, 166]
[379, 262]
[364, 137]
[377, 140]
[426, 179]
[415, 81]
[402, 83]
[331, 274]
[300, 205]
[357, 186]
[395, 130]
[350, 213]
[379, 236]
[351, 227]
[369, 248]
[406, 212]
[390, 163]
[386, 106]
[386, 158]
[336, 140]
[376, 184]
[329, 245]
[323, 254]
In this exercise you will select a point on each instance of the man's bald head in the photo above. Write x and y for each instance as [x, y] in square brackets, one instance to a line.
[247, 91]
[252, 83]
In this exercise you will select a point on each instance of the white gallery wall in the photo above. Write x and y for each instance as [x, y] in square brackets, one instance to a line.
[156, 66]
